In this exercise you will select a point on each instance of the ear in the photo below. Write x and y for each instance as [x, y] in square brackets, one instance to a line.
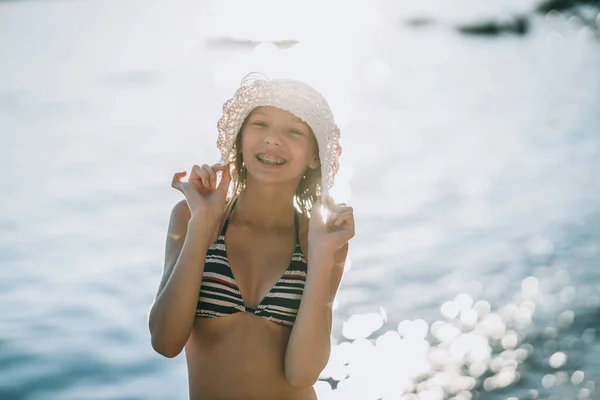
[314, 162]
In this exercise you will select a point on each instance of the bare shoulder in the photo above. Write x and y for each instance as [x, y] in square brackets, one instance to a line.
[180, 215]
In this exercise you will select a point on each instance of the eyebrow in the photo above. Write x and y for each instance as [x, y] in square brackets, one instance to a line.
[296, 119]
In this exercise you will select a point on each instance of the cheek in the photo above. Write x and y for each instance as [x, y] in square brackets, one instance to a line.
[312, 151]
[305, 151]
[249, 138]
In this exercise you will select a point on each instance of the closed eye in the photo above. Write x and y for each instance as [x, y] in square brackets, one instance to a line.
[296, 132]
[259, 123]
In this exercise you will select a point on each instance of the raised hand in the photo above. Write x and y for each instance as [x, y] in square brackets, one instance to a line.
[205, 198]
[333, 234]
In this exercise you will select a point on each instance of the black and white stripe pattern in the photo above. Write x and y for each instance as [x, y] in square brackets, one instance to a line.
[220, 294]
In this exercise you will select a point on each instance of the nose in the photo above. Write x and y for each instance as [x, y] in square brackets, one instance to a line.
[272, 137]
[271, 141]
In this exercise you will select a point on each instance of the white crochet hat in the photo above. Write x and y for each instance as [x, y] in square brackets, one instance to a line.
[296, 97]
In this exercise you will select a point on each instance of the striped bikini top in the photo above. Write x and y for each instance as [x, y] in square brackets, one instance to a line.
[220, 294]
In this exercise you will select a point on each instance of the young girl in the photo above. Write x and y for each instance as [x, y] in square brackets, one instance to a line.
[252, 265]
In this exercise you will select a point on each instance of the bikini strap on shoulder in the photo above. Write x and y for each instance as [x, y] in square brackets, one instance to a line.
[226, 223]
[297, 227]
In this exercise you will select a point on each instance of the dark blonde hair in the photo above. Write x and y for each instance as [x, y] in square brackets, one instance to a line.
[307, 192]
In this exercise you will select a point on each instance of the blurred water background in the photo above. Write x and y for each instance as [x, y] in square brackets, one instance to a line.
[471, 156]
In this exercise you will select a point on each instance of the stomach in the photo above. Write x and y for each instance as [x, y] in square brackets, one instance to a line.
[240, 356]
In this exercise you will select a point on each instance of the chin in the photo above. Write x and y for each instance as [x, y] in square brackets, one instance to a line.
[283, 179]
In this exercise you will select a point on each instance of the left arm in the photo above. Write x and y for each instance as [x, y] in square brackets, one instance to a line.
[309, 345]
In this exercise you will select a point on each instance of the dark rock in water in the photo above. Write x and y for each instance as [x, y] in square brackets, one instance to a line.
[285, 44]
[419, 22]
[518, 26]
[560, 5]
[226, 41]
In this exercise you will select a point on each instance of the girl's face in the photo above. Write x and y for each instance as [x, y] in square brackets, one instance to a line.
[277, 146]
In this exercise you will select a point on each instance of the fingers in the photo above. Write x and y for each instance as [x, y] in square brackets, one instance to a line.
[206, 176]
[199, 174]
[336, 208]
[331, 205]
[342, 209]
[339, 213]
[212, 176]
[346, 217]
[220, 167]
[331, 209]
[176, 182]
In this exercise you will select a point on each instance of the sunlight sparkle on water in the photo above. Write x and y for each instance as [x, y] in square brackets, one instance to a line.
[362, 325]
[416, 329]
[482, 308]
[463, 301]
[577, 377]
[548, 381]
[444, 332]
[530, 286]
[566, 318]
[468, 317]
[558, 359]
[450, 309]
[510, 341]
[472, 349]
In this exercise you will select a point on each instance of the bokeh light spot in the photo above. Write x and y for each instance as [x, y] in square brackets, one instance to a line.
[558, 359]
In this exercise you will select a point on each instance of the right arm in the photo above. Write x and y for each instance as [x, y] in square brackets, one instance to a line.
[192, 226]
[173, 312]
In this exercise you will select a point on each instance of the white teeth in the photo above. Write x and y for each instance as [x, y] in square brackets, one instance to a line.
[270, 160]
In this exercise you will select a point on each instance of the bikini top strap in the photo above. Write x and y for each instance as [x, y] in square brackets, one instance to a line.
[297, 227]
[226, 223]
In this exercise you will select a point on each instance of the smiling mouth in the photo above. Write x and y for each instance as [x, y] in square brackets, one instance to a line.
[265, 159]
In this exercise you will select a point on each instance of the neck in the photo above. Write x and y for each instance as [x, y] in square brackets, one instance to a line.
[265, 206]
